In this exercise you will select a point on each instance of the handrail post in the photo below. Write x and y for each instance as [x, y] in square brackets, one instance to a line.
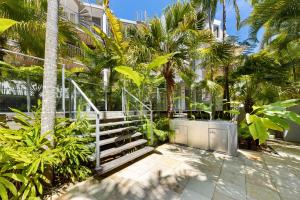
[75, 102]
[97, 140]
[63, 89]
[123, 103]
[151, 128]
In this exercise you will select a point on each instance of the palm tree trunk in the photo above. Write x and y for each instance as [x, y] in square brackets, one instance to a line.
[226, 97]
[170, 92]
[224, 19]
[50, 71]
[170, 84]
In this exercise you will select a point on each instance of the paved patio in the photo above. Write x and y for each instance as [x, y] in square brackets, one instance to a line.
[176, 172]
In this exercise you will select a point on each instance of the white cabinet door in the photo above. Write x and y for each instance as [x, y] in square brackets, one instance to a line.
[181, 134]
[218, 139]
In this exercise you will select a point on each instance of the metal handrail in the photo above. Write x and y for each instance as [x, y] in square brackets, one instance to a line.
[85, 97]
[144, 105]
[135, 98]
[97, 148]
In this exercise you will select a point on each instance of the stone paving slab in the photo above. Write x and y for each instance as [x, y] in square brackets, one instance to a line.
[183, 173]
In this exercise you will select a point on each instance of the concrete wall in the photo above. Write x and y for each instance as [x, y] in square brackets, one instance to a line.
[294, 132]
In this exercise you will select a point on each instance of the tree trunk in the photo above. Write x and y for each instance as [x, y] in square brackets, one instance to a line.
[249, 102]
[50, 71]
[226, 105]
[224, 20]
[226, 97]
[170, 84]
[294, 73]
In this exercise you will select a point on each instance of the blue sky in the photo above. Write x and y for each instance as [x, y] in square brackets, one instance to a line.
[128, 9]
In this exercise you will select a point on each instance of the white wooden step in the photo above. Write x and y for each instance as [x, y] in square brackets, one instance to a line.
[123, 160]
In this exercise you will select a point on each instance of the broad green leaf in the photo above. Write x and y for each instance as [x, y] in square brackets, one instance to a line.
[233, 112]
[9, 185]
[160, 60]
[271, 125]
[115, 26]
[294, 117]
[16, 177]
[136, 77]
[3, 192]
[261, 130]
[286, 103]
[26, 191]
[281, 122]
[6, 24]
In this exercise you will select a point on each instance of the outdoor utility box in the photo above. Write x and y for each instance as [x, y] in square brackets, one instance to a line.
[213, 135]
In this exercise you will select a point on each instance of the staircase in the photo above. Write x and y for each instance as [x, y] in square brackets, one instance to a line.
[118, 135]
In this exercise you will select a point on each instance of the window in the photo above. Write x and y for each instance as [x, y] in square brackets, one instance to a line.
[73, 17]
[97, 21]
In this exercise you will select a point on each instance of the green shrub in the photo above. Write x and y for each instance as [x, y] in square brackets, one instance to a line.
[161, 130]
[26, 155]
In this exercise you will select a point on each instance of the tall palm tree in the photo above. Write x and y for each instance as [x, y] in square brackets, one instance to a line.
[210, 7]
[180, 31]
[50, 70]
[226, 94]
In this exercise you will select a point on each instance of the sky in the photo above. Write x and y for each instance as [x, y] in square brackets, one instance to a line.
[128, 9]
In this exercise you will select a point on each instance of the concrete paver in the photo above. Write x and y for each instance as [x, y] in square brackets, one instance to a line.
[180, 172]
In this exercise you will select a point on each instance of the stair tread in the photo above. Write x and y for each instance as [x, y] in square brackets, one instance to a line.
[118, 138]
[117, 150]
[117, 130]
[115, 123]
[123, 160]
[119, 117]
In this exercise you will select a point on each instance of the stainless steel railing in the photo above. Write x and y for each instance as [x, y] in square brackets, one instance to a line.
[97, 112]
[126, 92]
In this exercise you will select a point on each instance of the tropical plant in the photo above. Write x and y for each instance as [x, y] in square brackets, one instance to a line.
[26, 154]
[281, 25]
[180, 31]
[74, 149]
[274, 116]
[215, 91]
[29, 32]
[161, 130]
[6, 24]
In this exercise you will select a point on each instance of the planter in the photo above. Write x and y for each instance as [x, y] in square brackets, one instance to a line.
[213, 135]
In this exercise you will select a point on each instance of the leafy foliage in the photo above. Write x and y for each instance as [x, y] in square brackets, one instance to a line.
[6, 24]
[271, 117]
[26, 154]
[161, 130]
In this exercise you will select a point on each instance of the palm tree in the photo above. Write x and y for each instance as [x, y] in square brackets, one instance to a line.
[281, 29]
[50, 70]
[29, 33]
[282, 22]
[180, 31]
[210, 7]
